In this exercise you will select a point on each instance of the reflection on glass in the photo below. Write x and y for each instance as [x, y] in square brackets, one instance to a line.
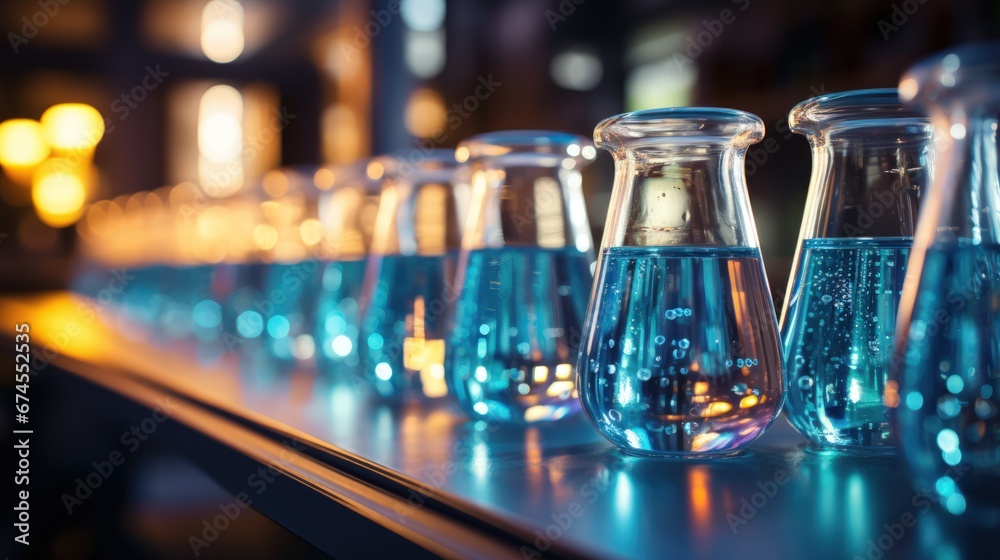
[871, 159]
[947, 396]
[407, 294]
[347, 218]
[681, 352]
[525, 272]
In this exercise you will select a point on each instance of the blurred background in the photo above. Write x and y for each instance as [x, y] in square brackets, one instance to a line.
[218, 93]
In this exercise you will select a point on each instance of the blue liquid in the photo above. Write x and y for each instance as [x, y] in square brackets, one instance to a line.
[838, 338]
[337, 322]
[682, 355]
[517, 333]
[269, 320]
[949, 380]
[288, 300]
[405, 323]
[140, 304]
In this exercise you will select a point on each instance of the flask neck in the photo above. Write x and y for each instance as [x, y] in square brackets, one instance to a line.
[680, 195]
[965, 196]
[526, 205]
[868, 181]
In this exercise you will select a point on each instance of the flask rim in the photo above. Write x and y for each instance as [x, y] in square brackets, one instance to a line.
[347, 175]
[853, 109]
[414, 166]
[543, 147]
[967, 75]
[687, 126]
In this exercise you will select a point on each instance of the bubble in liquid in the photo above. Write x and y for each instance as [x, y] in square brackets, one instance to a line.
[611, 343]
[670, 315]
[684, 344]
[614, 415]
[805, 383]
[628, 347]
[612, 369]
[660, 339]
[687, 312]
[729, 363]
[644, 374]
[827, 298]
[678, 353]
[740, 388]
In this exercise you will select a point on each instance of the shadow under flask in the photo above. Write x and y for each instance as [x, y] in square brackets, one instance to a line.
[871, 158]
[947, 380]
[525, 273]
[680, 354]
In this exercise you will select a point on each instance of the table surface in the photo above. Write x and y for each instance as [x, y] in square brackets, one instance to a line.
[557, 489]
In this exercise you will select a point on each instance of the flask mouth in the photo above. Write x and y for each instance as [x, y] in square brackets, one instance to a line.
[966, 77]
[851, 110]
[414, 166]
[676, 126]
[528, 147]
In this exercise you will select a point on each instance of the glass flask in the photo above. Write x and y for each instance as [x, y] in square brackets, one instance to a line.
[680, 354]
[209, 235]
[289, 239]
[408, 292]
[870, 165]
[948, 337]
[272, 297]
[525, 272]
[347, 215]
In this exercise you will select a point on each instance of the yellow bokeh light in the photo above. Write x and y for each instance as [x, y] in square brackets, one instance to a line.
[222, 38]
[275, 183]
[426, 114]
[748, 401]
[22, 143]
[374, 170]
[265, 237]
[716, 408]
[323, 179]
[72, 126]
[59, 191]
[311, 231]
[561, 389]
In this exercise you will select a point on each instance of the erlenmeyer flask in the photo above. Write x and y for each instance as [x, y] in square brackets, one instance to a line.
[273, 297]
[524, 274]
[681, 350]
[870, 165]
[948, 336]
[408, 290]
[288, 298]
[347, 214]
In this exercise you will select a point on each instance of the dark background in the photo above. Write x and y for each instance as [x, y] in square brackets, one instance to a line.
[772, 55]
